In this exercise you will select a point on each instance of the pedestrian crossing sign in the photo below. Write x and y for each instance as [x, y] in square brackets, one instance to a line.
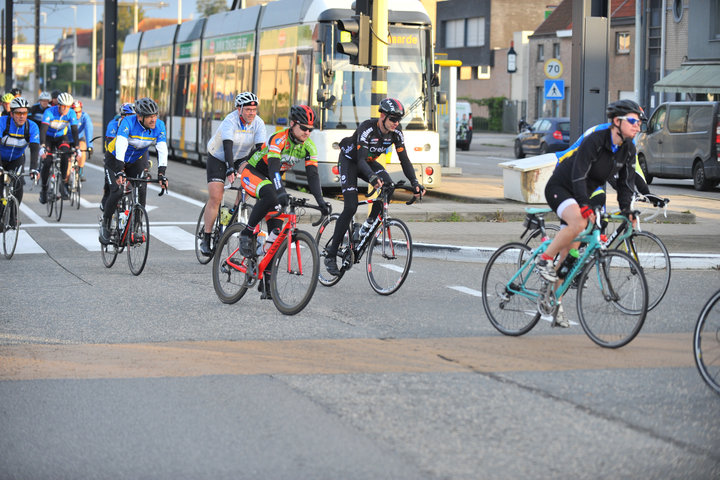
[554, 89]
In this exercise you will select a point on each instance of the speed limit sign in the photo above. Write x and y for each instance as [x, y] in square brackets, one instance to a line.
[553, 68]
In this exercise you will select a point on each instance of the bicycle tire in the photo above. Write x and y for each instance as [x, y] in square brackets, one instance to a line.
[199, 232]
[389, 256]
[58, 196]
[511, 313]
[534, 240]
[323, 237]
[611, 290]
[11, 229]
[137, 241]
[652, 255]
[50, 194]
[295, 273]
[78, 187]
[706, 343]
[71, 187]
[229, 283]
[110, 252]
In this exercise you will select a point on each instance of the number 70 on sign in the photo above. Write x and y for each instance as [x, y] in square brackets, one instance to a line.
[553, 68]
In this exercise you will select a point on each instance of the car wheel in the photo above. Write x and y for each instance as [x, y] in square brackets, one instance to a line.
[518, 150]
[644, 168]
[700, 181]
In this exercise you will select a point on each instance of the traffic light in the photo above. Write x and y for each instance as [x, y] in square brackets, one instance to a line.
[355, 39]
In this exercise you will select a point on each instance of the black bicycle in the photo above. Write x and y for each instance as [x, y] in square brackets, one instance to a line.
[130, 228]
[75, 180]
[706, 342]
[388, 243]
[9, 210]
[53, 187]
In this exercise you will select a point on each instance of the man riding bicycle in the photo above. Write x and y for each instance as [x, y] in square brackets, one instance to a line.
[358, 157]
[54, 136]
[126, 156]
[241, 133]
[85, 132]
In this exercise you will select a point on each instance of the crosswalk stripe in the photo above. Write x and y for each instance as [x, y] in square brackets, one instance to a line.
[32, 215]
[176, 237]
[87, 237]
[26, 244]
[467, 290]
[85, 204]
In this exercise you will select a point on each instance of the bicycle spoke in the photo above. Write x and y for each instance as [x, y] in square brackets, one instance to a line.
[323, 239]
[229, 278]
[138, 239]
[389, 257]
[295, 273]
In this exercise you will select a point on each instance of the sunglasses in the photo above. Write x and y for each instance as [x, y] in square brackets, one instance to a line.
[394, 119]
[304, 128]
[631, 120]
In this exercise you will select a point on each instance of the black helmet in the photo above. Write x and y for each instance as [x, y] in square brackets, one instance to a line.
[392, 106]
[16, 91]
[302, 114]
[55, 93]
[624, 107]
[145, 106]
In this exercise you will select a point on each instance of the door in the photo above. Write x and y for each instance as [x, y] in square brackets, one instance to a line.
[676, 162]
[654, 141]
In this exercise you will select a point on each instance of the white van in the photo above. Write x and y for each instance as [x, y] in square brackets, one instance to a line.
[463, 125]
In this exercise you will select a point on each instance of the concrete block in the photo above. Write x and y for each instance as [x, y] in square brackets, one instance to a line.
[524, 179]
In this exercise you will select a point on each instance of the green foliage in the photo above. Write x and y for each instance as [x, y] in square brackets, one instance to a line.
[495, 107]
[208, 7]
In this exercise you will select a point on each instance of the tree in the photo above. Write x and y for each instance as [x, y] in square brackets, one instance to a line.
[208, 7]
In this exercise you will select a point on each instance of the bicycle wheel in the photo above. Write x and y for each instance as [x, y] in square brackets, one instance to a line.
[612, 299]
[58, 196]
[199, 232]
[77, 187]
[295, 273]
[511, 307]
[389, 257]
[50, 194]
[109, 252]
[138, 239]
[10, 227]
[653, 257]
[534, 239]
[228, 281]
[71, 186]
[706, 342]
[323, 239]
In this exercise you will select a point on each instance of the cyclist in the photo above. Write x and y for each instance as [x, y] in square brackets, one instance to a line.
[110, 134]
[127, 156]
[6, 99]
[37, 110]
[85, 132]
[261, 178]
[240, 134]
[17, 135]
[358, 157]
[54, 136]
[601, 155]
[16, 92]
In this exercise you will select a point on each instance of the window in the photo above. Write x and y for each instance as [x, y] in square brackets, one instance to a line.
[483, 72]
[465, 73]
[699, 119]
[541, 53]
[622, 43]
[455, 33]
[475, 32]
[677, 119]
[715, 20]
[556, 50]
[677, 10]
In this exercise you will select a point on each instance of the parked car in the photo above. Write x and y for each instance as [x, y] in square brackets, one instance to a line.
[682, 140]
[547, 134]
[463, 125]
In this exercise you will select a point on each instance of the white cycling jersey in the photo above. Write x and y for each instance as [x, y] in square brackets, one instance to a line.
[243, 136]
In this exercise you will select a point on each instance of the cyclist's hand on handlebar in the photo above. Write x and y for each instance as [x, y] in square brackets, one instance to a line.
[120, 178]
[230, 174]
[376, 182]
[418, 190]
[325, 208]
[163, 181]
[283, 198]
[34, 175]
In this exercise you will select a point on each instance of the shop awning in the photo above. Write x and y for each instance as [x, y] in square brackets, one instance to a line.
[691, 79]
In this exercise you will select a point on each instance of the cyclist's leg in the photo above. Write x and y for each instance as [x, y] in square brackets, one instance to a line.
[348, 185]
[82, 145]
[115, 192]
[136, 169]
[258, 186]
[45, 164]
[17, 166]
[380, 171]
[215, 183]
[264, 286]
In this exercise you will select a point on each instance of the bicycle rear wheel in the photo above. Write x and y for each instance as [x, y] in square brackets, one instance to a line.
[389, 257]
[200, 231]
[11, 227]
[50, 194]
[138, 239]
[323, 239]
[109, 252]
[706, 342]
[295, 273]
[612, 299]
[653, 257]
[228, 281]
[58, 196]
[534, 239]
[75, 187]
[511, 307]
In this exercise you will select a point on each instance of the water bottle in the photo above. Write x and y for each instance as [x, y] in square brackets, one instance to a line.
[568, 263]
[261, 242]
[123, 219]
[225, 215]
[271, 238]
[365, 227]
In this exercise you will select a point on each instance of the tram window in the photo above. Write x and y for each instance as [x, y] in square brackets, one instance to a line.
[266, 87]
[284, 88]
[302, 78]
[244, 75]
[230, 84]
[181, 89]
[190, 104]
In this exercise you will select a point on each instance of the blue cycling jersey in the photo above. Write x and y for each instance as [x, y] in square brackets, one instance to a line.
[13, 145]
[85, 130]
[140, 139]
[58, 124]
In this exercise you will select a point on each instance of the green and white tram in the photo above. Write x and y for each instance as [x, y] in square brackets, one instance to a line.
[286, 53]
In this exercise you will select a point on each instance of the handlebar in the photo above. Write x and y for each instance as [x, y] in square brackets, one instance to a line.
[389, 188]
[295, 202]
[148, 180]
[648, 199]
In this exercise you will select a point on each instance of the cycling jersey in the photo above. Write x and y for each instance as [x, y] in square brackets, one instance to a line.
[14, 143]
[58, 124]
[133, 140]
[282, 147]
[85, 130]
[244, 136]
[36, 113]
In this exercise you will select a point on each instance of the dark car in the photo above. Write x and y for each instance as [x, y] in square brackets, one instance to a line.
[547, 134]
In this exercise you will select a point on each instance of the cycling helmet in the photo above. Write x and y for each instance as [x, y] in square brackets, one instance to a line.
[16, 92]
[55, 93]
[19, 102]
[145, 107]
[246, 99]
[392, 106]
[7, 98]
[45, 96]
[77, 106]
[127, 109]
[624, 107]
[65, 99]
[302, 114]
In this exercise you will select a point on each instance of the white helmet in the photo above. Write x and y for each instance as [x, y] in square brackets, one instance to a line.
[45, 96]
[65, 99]
[19, 102]
[246, 98]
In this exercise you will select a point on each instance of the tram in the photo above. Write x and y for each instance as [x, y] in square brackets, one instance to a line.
[285, 52]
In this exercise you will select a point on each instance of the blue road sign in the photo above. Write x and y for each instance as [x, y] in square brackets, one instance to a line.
[554, 89]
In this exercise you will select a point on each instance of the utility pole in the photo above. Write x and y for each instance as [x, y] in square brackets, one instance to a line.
[378, 54]
[36, 83]
[110, 60]
[8, 43]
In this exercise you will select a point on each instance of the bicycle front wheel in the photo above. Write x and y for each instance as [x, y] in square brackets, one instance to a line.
[295, 273]
[109, 252]
[653, 257]
[511, 306]
[50, 194]
[75, 188]
[323, 239]
[706, 342]
[229, 281]
[389, 257]
[138, 239]
[612, 299]
[58, 197]
[11, 227]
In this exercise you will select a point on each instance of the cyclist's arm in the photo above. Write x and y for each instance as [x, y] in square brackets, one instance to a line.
[88, 132]
[228, 151]
[43, 132]
[121, 146]
[34, 150]
[75, 135]
[274, 174]
[162, 151]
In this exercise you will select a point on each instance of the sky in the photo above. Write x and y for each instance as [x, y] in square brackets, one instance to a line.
[59, 16]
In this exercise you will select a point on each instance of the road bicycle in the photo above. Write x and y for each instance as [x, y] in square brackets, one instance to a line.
[291, 260]
[53, 186]
[388, 243]
[645, 247]
[612, 293]
[239, 212]
[130, 228]
[74, 179]
[706, 342]
[9, 208]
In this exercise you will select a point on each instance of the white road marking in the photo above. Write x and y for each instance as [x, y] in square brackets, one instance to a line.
[467, 290]
[176, 237]
[26, 244]
[87, 237]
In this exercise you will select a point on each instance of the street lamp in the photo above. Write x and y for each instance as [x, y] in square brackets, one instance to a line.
[74, 7]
